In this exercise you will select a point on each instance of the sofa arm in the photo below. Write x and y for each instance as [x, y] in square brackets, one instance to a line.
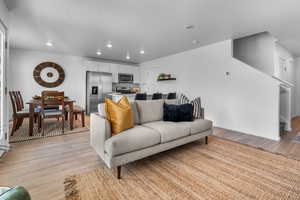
[100, 131]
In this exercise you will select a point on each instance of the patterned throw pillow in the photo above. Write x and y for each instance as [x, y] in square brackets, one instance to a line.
[196, 104]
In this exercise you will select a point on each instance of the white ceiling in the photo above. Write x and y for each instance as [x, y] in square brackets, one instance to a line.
[81, 27]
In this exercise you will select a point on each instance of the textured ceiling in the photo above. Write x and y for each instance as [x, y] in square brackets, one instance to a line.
[80, 27]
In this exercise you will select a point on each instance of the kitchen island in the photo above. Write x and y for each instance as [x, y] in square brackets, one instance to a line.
[117, 96]
[131, 97]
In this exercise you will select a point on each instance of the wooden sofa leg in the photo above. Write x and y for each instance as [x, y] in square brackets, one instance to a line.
[206, 140]
[119, 172]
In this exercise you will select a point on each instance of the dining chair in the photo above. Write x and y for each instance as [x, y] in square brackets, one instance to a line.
[141, 96]
[20, 99]
[157, 96]
[79, 111]
[171, 95]
[21, 107]
[50, 93]
[52, 99]
[17, 101]
[18, 115]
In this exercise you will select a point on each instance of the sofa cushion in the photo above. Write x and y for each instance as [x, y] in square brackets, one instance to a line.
[171, 101]
[170, 130]
[130, 140]
[102, 112]
[199, 125]
[151, 110]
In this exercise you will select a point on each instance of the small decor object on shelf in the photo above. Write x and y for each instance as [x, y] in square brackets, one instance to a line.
[165, 77]
[161, 76]
[36, 97]
[49, 74]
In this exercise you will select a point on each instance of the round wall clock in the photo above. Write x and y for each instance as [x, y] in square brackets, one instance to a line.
[49, 74]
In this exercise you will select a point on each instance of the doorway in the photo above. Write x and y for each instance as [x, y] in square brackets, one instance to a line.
[285, 109]
[4, 128]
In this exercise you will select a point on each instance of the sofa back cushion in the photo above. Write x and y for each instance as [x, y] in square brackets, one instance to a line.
[150, 110]
[102, 112]
[171, 101]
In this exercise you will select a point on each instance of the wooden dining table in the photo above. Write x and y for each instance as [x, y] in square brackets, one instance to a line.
[38, 102]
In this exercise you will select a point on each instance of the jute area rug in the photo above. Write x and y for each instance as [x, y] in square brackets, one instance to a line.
[52, 128]
[220, 170]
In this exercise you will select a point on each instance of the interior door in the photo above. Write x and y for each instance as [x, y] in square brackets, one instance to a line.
[4, 128]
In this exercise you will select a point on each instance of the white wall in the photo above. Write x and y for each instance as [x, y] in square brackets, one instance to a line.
[4, 19]
[297, 86]
[257, 51]
[247, 100]
[286, 71]
[3, 12]
[23, 62]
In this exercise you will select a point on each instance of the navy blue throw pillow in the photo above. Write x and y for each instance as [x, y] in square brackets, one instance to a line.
[185, 112]
[178, 113]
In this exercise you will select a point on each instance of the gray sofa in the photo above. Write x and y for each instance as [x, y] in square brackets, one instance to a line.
[149, 136]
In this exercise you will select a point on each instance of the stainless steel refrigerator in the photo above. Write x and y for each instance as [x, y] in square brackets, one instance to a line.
[98, 86]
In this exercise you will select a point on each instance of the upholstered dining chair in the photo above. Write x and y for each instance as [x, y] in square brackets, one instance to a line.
[157, 96]
[52, 99]
[141, 96]
[50, 93]
[21, 106]
[18, 115]
[19, 111]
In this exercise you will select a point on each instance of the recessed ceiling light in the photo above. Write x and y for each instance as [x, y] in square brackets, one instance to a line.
[49, 44]
[109, 45]
[189, 27]
[99, 53]
[128, 57]
[142, 52]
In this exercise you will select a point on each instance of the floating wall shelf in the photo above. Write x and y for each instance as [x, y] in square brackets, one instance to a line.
[169, 79]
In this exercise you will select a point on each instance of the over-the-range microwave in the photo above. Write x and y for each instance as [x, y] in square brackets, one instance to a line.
[125, 78]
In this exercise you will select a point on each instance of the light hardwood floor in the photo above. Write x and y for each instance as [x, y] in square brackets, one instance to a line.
[285, 147]
[42, 165]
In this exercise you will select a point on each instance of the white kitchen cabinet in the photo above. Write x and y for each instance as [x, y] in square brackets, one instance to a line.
[137, 75]
[115, 70]
[97, 66]
[91, 66]
[104, 67]
[126, 69]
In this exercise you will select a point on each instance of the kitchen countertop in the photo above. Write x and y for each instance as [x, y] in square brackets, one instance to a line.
[148, 94]
[118, 94]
